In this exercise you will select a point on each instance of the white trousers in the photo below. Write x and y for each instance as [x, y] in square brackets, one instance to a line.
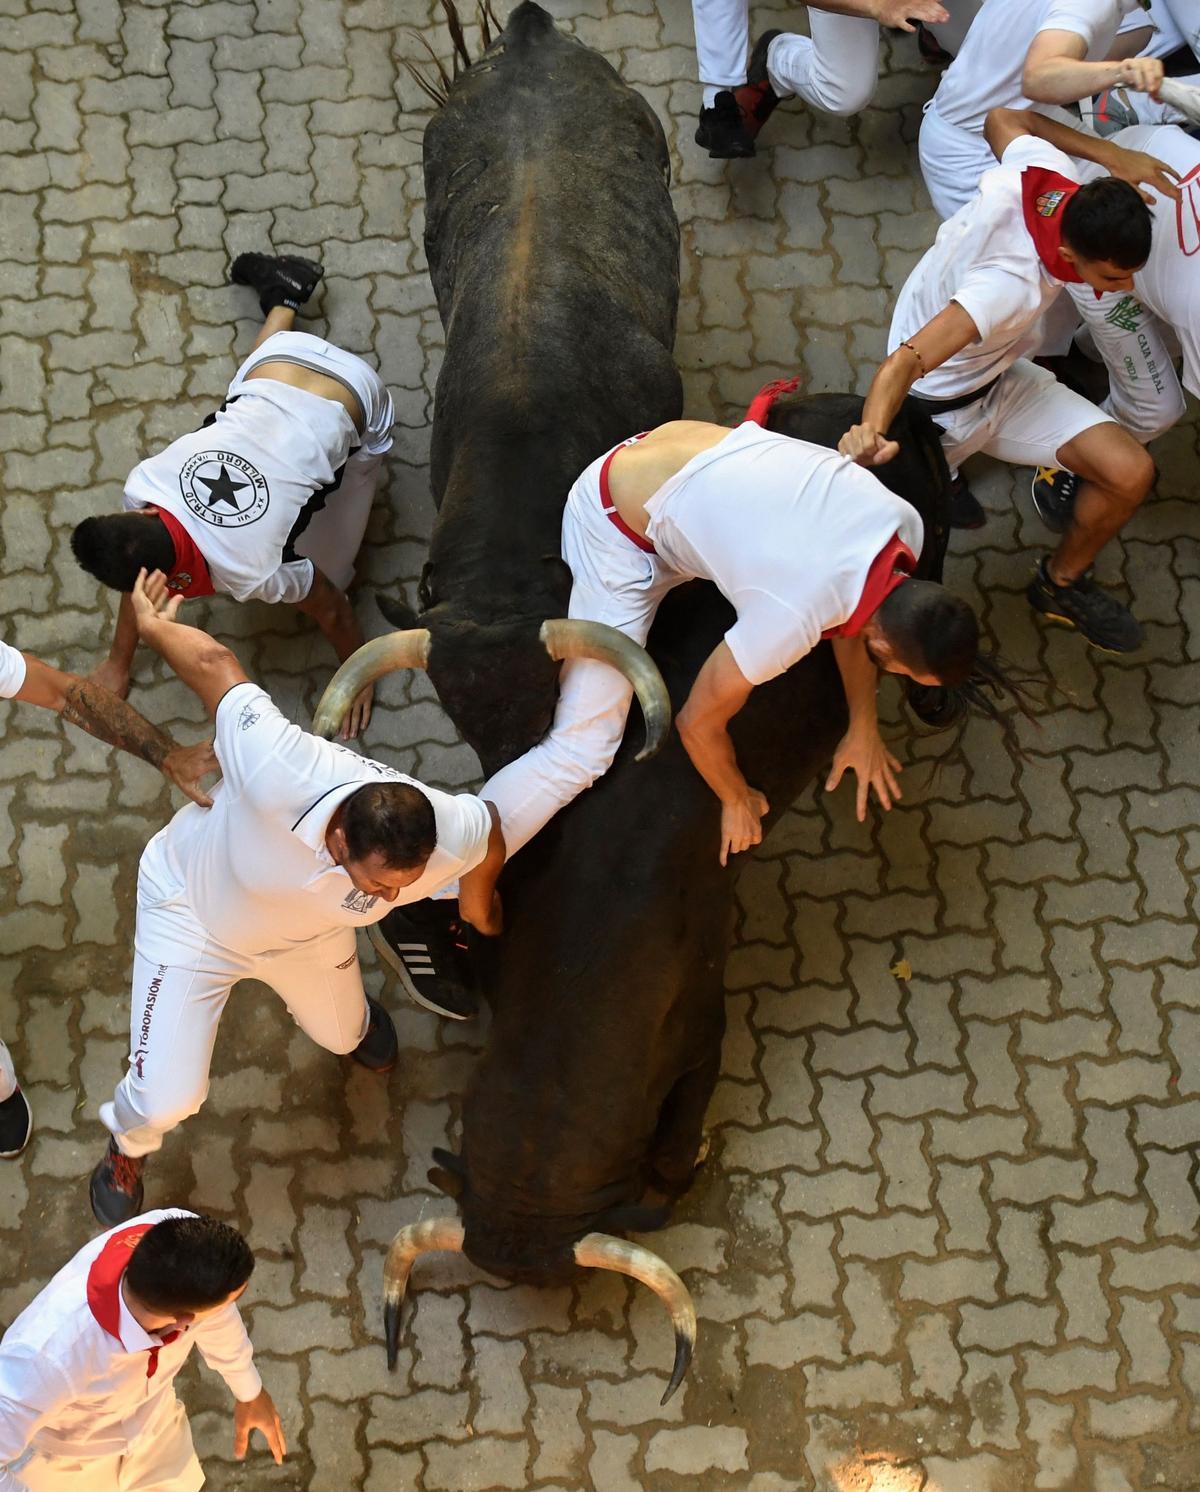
[181, 980]
[835, 69]
[950, 34]
[161, 1459]
[621, 585]
[334, 535]
[1139, 351]
[8, 1078]
[1025, 420]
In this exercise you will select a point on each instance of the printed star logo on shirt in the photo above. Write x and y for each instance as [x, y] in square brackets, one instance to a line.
[223, 489]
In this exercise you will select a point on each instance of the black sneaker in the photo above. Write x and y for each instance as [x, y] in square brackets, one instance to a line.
[379, 1048]
[116, 1187]
[427, 948]
[756, 99]
[1054, 497]
[280, 279]
[965, 511]
[1103, 621]
[16, 1124]
[722, 129]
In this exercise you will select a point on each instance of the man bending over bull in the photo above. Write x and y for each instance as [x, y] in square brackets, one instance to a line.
[804, 544]
[973, 306]
[269, 499]
[305, 843]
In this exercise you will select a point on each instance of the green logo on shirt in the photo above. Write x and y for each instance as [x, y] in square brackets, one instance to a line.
[1124, 315]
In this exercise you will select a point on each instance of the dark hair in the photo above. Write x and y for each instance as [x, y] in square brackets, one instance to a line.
[115, 547]
[188, 1264]
[1107, 220]
[391, 819]
[931, 631]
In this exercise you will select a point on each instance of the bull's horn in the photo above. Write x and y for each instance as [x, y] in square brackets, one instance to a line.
[603, 1251]
[570, 637]
[445, 1233]
[375, 658]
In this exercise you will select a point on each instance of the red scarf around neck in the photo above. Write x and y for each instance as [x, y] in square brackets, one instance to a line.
[189, 576]
[104, 1286]
[1044, 197]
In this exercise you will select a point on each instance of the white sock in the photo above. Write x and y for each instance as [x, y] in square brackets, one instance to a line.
[710, 94]
[8, 1078]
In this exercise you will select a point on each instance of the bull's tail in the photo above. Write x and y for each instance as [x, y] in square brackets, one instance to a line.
[438, 87]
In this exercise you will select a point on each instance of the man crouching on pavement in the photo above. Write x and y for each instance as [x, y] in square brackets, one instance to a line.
[87, 1370]
[306, 841]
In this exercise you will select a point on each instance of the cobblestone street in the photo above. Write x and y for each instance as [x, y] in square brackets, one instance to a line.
[945, 1239]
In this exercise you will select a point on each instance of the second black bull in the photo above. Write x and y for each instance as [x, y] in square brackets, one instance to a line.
[552, 245]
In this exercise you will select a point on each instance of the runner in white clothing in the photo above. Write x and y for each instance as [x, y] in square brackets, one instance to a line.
[270, 498]
[99, 712]
[87, 1370]
[1019, 54]
[970, 311]
[804, 545]
[306, 842]
[835, 68]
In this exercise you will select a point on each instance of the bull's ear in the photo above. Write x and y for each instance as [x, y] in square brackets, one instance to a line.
[451, 1162]
[397, 611]
[449, 1185]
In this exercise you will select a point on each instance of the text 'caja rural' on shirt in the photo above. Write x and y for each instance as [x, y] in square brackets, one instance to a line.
[985, 259]
[254, 867]
[787, 531]
[244, 487]
[80, 1378]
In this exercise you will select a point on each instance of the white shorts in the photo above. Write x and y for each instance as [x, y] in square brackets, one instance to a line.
[161, 1459]
[617, 583]
[1025, 420]
[334, 534]
[181, 980]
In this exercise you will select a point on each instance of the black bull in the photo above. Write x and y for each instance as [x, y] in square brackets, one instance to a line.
[553, 251]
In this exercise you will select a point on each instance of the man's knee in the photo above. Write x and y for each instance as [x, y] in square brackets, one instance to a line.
[138, 1107]
[1109, 456]
[845, 97]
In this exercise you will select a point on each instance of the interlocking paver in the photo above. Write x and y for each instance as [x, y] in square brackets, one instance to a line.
[960, 1205]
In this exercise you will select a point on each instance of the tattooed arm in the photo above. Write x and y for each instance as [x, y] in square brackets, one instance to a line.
[99, 712]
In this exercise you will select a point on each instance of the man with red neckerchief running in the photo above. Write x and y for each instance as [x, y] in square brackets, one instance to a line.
[968, 318]
[87, 1370]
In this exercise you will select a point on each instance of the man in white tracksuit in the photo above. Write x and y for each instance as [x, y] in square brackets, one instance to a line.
[269, 499]
[87, 1370]
[1019, 54]
[306, 842]
[834, 69]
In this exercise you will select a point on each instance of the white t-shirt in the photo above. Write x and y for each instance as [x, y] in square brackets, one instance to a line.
[254, 866]
[12, 671]
[245, 486]
[986, 74]
[1169, 282]
[984, 258]
[786, 530]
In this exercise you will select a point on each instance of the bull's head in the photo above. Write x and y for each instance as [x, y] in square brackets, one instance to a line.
[483, 673]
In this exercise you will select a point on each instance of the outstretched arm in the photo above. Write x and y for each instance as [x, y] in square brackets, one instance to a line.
[478, 900]
[113, 673]
[719, 692]
[99, 712]
[330, 608]
[1003, 126]
[861, 749]
[1057, 71]
[206, 667]
[898, 13]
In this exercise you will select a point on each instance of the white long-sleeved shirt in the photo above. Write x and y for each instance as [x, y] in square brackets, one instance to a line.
[69, 1388]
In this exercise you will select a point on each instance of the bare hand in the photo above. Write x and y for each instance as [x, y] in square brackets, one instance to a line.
[186, 765]
[1142, 74]
[901, 13]
[111, 676]
[151, 600]
[866, 445]
[741, 824]
[358, 716]
[1141, 170]
[258, 1414]
[873, 764]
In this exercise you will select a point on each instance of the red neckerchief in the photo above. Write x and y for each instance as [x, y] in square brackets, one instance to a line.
[189, 575]
[893, 563]
[104, 1286]
[760, 405]
[1044, 196]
